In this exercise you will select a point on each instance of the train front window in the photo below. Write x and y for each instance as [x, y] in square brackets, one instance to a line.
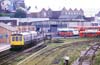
[20, 38]
[16, 38]
[13, 38]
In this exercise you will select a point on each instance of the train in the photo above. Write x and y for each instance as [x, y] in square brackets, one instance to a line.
[25, 39]
[81, 32]
[67, 32]
[89, 33]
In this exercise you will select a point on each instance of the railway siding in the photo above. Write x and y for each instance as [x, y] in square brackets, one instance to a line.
[51, 54]
[87, 57]
[48, 54]
[33, 56]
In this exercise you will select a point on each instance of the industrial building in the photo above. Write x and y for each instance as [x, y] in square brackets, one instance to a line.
[5, 32]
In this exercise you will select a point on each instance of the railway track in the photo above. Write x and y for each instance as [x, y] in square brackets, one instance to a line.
[44, 53]
[7, 56]
[89, 55]
[48, 52]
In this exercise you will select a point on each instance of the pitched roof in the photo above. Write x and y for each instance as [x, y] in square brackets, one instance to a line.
[98, 14]
[43, 9]
[55, 14]
[81, 10]
[49, 9]
[7, 27]
[75, 9]
[64, 9]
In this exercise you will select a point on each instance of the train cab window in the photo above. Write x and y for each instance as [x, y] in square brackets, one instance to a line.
[16, 38]
[13, 38]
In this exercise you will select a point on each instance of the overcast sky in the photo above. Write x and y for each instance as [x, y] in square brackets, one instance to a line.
[90, 7]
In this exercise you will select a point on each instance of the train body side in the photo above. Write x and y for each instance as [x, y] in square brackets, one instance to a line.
[68, 32]
[89, 33]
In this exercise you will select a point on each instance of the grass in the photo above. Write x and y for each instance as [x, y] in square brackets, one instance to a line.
[73, 51]
[68, 41]
[97, 58]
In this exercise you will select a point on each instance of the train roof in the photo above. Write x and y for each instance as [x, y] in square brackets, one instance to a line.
[66, 29]
[33, 32]
[26, 33]
[89, 31]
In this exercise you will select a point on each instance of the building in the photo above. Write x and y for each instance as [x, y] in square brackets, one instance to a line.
[22, 24]
[71, 14]
[54, 24]
[97, 19]
[9, 21]
[5, 32]
[61, 14]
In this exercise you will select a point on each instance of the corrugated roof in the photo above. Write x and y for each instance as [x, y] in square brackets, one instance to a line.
[7, 27]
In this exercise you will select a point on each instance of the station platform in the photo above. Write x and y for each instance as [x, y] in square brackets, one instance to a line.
[4, 46]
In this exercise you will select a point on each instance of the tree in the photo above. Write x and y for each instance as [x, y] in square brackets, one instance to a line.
[20, 13]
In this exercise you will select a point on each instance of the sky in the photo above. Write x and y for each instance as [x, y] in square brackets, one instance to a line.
[90, 7]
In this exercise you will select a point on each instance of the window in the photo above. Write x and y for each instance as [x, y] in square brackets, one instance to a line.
[94, 24]
[13, 38]
[20, 38]
[16, 38]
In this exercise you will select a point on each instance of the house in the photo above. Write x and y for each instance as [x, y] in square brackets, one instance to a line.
[71, 14]
[60, 14]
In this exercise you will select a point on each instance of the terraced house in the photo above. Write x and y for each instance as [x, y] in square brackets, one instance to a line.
[61, 14]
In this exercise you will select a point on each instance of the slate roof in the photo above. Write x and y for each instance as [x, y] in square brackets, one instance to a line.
[79, 17]
[55, 14]
[98, 14]
[7, 27]
[34, 15]
[89, 18]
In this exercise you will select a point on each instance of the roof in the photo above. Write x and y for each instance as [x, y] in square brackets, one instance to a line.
[32, 19]
[25, 33]
[79, 17]
[89, 18]
[7, 27]
[98, 14]
[90, 31]
[33, 14]
[55, 14]
[66, 29]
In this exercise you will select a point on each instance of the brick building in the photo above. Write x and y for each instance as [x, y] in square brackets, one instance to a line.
[5, 32]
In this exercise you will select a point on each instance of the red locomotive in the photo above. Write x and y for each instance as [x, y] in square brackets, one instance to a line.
[89, 31]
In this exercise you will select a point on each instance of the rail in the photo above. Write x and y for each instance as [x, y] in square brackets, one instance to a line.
[89, 55]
